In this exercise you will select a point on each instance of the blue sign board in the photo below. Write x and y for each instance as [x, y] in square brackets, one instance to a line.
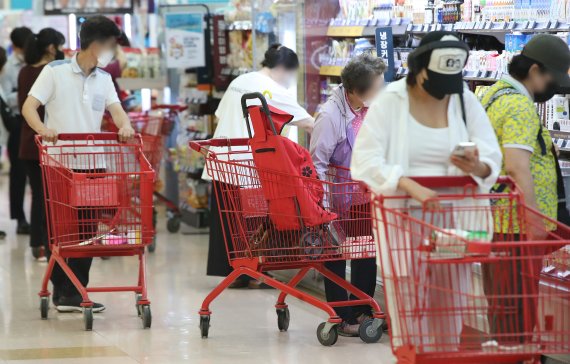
[385, 50]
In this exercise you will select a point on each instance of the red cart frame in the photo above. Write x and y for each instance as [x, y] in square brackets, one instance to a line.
[98, 197]
[255, 245]
[462, 279]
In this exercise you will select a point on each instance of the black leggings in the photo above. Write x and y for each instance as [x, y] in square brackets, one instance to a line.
[38, 234]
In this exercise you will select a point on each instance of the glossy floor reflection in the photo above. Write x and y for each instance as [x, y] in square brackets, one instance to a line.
[244, 325]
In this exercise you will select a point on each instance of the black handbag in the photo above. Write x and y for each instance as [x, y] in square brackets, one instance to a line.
[12, 121]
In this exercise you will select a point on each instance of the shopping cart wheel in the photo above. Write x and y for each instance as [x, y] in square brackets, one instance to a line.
[370, 330]
[88, 318]
[283, 319]
[44, 307]
[152, 246]
[146, 316]
[204, 326]
[138, 297]
[327, 338]
[173, 224]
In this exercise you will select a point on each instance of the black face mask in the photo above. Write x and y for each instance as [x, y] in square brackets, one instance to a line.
[59, 55]
[433, 89]
[547, 94]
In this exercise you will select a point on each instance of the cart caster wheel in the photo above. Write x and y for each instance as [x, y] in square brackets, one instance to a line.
[327, 338]
[146, 316]
[152, 247]
[44, 307]
[204, 326]
[138, 297]
[88, 318]
[173, 224]
[283, 319]
[370, 330]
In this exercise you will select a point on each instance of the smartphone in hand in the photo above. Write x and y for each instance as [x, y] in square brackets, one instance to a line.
[461, 148]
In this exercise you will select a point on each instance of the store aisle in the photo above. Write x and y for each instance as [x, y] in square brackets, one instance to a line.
[244, 327]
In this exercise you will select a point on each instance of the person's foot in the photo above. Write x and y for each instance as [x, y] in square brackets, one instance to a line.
[73, 304]
[348, 330]
[255, 284]
[23, 228]
[2, 234]
[38, 252]
[363, 317]
[241, 282]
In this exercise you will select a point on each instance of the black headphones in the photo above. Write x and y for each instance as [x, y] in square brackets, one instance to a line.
[440, 44]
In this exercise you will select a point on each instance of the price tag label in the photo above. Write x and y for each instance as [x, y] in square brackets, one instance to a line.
[345, 31]
[511, 25]
[489, 25]
[553, 24]
[410, 27]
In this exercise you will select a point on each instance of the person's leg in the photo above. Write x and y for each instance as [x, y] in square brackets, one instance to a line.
[38, 232]
[17, 183]
[363, 277]
[336, 293]
[218, 264]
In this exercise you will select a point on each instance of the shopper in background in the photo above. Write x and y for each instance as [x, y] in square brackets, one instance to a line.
[411, 130]
[41, 49]
[116, 66]
[9, 82]
[3, 131]
[279, 70]
[332, 139]
[75, 94]
[534, 76]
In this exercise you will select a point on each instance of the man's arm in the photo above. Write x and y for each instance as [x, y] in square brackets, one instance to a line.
[32, 117]
[122, 121]
[305, 124]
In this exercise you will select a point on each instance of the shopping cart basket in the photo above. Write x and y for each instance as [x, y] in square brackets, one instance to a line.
[269, 228]
[154, 129]
[463, 281]
[98, 204]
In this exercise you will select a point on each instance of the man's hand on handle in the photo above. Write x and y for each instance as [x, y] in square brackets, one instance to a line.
[126, 132]
[48, 135]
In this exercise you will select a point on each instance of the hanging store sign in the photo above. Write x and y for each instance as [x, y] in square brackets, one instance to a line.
[57, 7]
[385, 50]
[185, 45]
[221, 51]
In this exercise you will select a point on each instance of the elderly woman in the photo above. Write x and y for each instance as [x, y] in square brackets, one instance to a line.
[335, 130]
[411, 130]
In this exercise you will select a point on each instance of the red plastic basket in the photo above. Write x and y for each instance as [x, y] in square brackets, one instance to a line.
[464, 283]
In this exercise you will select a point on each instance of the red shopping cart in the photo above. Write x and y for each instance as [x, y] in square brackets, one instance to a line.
[98, 204]
[463, 281]
[276, 220]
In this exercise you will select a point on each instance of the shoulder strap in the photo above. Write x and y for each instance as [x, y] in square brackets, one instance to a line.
[463, 114]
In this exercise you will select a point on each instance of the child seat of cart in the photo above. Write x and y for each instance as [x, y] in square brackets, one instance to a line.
[292, 189]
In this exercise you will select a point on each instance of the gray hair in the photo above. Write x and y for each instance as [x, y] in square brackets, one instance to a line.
[358, 75]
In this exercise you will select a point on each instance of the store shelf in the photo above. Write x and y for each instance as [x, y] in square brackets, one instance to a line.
[488, 27]
[333, 71]
[140, 83]
[365, 28]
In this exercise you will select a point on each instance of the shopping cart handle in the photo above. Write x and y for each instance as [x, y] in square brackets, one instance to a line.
[199, 145]
[459, 181]
[256, 96]
[87, 137]
[172, 107]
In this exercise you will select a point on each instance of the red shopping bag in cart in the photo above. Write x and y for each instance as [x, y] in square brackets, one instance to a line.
[293, 202]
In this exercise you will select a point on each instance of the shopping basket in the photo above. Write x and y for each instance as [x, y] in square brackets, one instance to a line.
[270, 229]
[98, 204]
[464, 283]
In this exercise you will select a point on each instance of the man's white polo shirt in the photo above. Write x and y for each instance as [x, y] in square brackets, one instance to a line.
[74, 102]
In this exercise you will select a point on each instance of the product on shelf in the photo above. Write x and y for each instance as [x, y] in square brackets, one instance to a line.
[141, 63]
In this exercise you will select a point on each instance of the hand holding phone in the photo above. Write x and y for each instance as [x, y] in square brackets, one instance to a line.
[464, 148]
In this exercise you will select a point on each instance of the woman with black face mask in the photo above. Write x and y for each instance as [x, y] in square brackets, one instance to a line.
[40, 49]
[411, 130]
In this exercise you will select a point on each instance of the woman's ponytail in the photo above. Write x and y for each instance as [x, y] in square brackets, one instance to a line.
[37, 44]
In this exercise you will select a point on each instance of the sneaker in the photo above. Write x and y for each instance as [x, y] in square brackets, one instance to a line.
[73, 304]
[23, 228]
[2, 234]
[348, 330]
[363, 317]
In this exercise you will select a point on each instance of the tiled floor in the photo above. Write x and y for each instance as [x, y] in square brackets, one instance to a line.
[244, 327]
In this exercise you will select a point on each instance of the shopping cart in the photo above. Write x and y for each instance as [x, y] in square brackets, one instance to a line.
[154, 129]
[272, 226]
[463, 284]
[98, 204]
